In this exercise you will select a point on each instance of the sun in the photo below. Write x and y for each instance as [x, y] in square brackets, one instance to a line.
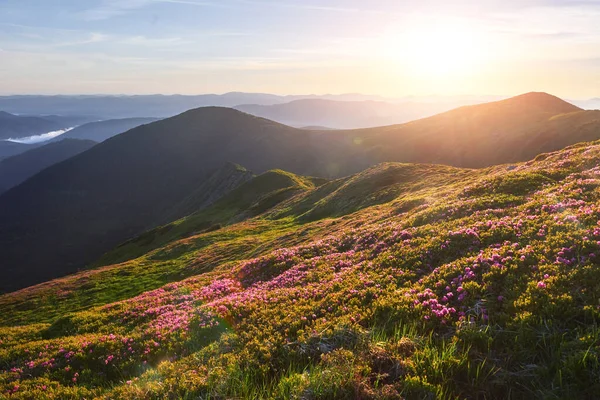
[436, 48]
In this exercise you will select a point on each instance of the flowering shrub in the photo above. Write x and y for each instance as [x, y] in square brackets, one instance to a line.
[489, 289]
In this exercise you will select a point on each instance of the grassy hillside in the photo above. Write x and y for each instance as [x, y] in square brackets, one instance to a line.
[248, 200]
[17, 169]
[410, 281]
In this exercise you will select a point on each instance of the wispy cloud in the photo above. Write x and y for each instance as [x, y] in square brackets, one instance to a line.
[93, 37]
[39, 138]
[111, 8]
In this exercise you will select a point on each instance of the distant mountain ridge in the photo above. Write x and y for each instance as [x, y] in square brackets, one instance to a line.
[9, 149]
[111, 107]
[101, 130]
[132, 182]
[14, 126]
[343, 114]
[161, 106]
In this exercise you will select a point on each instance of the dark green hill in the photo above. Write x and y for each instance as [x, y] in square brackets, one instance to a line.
[17, 169]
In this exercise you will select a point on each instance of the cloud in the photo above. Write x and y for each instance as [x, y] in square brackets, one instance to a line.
[113, 8]
[141, 40]
[93, 37]
[39, 138]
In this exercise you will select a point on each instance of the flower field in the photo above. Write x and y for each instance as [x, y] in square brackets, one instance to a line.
[404, 281]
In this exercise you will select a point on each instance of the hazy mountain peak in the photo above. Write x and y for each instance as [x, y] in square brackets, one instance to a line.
[544, 101]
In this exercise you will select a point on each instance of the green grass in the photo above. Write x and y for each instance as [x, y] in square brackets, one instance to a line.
[404, 281]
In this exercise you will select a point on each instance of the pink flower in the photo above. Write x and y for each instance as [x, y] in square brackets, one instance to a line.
[500, 298]
[541, 285]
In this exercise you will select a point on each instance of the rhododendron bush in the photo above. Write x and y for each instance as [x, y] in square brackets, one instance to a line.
[488, 288]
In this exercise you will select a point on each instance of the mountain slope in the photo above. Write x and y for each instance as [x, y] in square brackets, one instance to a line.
[255, 196]
[9, 149]
[14, 126]
[114, 217]
[17, 169]
[447, 283]
[155, 167]
[152, 169]
[480, 135]
[102, 130]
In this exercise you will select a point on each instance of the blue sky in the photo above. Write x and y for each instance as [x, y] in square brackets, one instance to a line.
[387, 47]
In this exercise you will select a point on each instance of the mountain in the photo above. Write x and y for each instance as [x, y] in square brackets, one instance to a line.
[101, 130]
[121, 210]
[67, 121]
[402, 281]
[17, 169]
[134, 182]
[14, 126]
[476, 136]
[316, 128]
[131, 183]
[343, 114]
[9, 149]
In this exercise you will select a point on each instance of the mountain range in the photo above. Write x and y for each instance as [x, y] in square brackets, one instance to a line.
[99, 131]
[154, 168]
[111, 107]
[14, 126]
[343, 114]
[8, 148]
[161, 106]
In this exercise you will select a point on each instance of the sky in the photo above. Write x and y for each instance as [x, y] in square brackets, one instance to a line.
[392, 48]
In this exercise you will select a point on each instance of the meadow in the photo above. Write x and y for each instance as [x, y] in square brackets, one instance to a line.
[403, 281]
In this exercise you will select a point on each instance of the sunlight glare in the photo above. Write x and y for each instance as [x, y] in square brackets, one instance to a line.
[438, 48]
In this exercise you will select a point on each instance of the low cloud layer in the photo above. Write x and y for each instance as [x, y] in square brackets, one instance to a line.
[39, 138]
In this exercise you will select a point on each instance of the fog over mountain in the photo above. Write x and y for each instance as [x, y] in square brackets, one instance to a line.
[15, 126]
